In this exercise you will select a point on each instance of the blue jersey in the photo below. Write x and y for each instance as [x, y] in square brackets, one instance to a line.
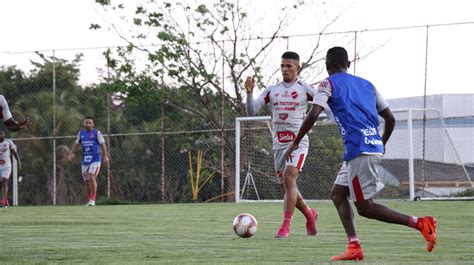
[90, 142]
[354, 105]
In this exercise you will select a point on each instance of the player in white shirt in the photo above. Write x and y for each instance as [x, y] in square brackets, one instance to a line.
[289, 103]
[7, 118]
[6, 147]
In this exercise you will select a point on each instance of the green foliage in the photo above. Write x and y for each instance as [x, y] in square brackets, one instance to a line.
[191, 55]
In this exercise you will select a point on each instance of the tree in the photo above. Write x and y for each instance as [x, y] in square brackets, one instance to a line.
[201, 51]
[199, 48]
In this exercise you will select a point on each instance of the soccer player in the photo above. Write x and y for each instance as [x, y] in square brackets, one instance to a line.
[356, 104]
[289, 102]
[93, 144]
[7, 117]
[6, 146]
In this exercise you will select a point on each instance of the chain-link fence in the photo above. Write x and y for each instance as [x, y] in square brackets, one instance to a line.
[257, 177]
[151, 141]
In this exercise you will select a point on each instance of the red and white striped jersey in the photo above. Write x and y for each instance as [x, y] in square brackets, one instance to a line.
[289, 105]
[5, 148]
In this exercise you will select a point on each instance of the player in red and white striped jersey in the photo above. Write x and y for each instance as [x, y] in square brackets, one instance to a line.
[289, 103]
[7, 147]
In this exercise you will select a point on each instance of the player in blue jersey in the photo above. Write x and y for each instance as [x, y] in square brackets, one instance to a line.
[356, 106]
[93, 149]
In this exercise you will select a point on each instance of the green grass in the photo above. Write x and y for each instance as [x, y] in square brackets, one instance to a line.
[202, 234]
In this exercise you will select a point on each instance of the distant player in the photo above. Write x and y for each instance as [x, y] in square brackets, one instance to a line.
[289, 103]
[7, 117]
[356, 104]
[6, 147]
[93, 144]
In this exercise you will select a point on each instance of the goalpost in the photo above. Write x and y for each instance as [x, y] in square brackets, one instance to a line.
[425, 155]
[249, 177]
[423, 160]
[255, 178]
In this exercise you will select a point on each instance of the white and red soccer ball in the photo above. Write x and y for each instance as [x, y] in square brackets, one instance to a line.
[245, 225]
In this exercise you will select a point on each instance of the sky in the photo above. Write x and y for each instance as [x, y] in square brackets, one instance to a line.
[396, 63]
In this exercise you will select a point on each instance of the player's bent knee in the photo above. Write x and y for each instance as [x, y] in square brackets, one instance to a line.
[365, 209]
[339, 194]
[289, 180]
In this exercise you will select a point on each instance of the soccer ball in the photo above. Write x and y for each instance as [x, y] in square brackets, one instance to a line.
[245, 225]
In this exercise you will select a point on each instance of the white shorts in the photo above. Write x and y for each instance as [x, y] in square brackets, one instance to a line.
[92, 168]
[297, 160]
[5, 172]
[361, 176]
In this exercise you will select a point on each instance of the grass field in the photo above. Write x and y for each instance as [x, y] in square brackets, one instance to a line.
[202, 234]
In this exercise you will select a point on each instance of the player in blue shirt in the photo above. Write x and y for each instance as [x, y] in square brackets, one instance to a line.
[356, 105]
[92, 143]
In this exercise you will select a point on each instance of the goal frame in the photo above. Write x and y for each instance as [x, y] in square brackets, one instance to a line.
[411, 156]
[411, 164]
[238, 120]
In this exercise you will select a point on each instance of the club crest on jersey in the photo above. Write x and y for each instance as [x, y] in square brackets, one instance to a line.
[283, 116]
[294, 94]
[285, 136]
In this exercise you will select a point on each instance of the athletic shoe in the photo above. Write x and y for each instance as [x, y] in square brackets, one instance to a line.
[428, 230]
[311, 224]
[353, 252]
[91, 203]
[283, 233]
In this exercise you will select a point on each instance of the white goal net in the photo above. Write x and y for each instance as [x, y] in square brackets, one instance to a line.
[255, 173]
[425, 154]
[423, 159]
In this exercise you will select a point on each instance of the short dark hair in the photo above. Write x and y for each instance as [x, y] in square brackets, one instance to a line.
[290, 55]
[337, 57]
[89, 118]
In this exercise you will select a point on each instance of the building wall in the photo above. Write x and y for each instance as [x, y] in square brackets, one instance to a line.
[451, 144]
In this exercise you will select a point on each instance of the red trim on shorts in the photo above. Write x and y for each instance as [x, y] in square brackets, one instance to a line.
[357, 189]
[300, 162]
[96, 171]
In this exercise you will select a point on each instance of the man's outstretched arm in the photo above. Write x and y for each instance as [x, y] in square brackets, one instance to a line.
[14, 126]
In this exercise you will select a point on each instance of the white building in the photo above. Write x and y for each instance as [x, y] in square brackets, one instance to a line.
[451, 142]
